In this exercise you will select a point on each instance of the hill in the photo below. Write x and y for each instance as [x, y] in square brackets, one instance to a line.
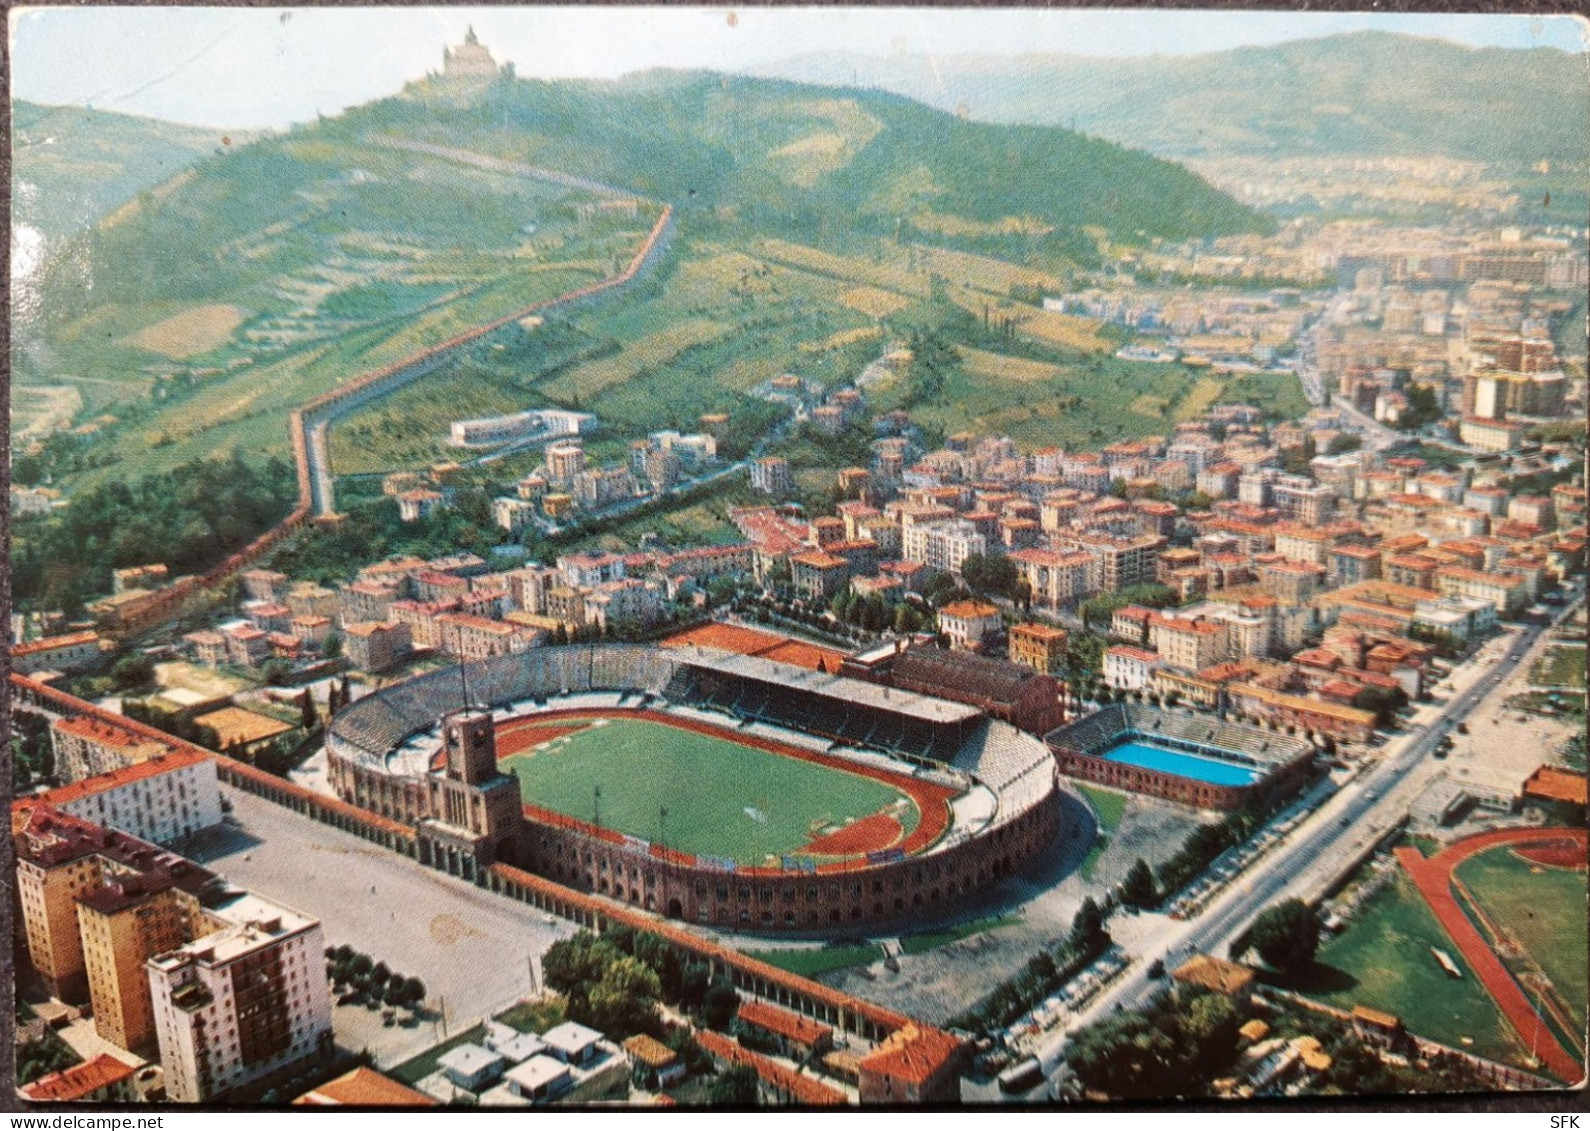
[1365, 94]
[73, 165]
[191, 318]
[806, 160]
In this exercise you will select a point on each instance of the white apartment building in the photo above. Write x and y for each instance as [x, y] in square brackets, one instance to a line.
[1129, 668]
[241, 1003]
[161, 799]
[943, 546]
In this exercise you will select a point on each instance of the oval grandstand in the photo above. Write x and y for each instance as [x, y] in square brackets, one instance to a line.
[997, 785]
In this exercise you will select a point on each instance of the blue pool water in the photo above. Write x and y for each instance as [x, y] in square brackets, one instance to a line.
[1215, 771]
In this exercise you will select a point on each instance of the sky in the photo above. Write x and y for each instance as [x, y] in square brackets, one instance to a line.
[251, 68]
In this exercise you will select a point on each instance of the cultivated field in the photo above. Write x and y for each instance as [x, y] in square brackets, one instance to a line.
[196, 330]
[721, 798]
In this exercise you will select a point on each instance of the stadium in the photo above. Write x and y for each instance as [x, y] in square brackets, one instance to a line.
[1183, 757]
[720, 788]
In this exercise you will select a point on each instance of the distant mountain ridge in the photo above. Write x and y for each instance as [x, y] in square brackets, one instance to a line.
[1365, 94]
[72, 165]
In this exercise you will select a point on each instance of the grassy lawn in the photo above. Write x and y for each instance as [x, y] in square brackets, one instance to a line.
[1561, 666]
[414, 1070]
[811, 963]
[1109, 805]
[1091, 860]
[1543, 909]
[722, 798]
[535, 1016]
[1383, 961]
[931, 940]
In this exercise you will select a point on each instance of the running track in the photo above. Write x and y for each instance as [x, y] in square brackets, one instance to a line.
[1433, 878]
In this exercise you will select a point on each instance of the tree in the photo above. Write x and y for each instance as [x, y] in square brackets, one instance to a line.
[624, 1001]
[413, 991]
[308, 718]
[1209, 1025]
[735, 1087]
[136, 670]
[333, 646]
[571, 965]
[719, 1004]
[276, 672]
[693, 983]
[1138, 889]
[1286, 935]
[1127, 1055]
[1087, 929]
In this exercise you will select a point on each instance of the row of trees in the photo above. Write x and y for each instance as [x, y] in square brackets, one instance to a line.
[1202, 846]
[361, 980]
[1044, 973]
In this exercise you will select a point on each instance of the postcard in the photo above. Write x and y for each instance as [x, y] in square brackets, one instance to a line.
[809, 557]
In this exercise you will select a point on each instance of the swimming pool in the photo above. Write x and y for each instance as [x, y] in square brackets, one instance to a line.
[1199, 767]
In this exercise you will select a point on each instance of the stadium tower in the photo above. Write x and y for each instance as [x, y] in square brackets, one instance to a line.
[477, 816]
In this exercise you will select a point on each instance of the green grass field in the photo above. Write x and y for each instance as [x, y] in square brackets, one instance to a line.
[1561, 666]
[932, 940]
[722, 798]
[1543, 908]
[1383, 961]
[1109, 805]
[809, 962]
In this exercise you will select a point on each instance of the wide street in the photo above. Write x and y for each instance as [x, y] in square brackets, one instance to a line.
[1319, 851]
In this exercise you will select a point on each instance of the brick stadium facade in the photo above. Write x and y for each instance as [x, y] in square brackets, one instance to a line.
[762, 900]
[1080, 751]
[375, 765]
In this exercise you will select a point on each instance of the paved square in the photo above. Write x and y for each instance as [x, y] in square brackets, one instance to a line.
[470, 947]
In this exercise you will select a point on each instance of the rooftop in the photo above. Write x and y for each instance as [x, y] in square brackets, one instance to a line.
[234, 724]
[1214, 974]
[364, 1087]
[913, 1054]
[836, 687]
[79, 1081]
[783, 1022]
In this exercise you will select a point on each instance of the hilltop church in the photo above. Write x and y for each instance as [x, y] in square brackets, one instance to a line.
[471, 61]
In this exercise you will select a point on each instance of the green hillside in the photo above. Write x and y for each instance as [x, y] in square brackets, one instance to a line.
[1365, 94]
[71, 166]
[196, 314]
[814, 161]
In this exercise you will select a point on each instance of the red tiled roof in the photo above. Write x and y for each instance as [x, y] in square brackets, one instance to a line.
[784, 1023]
[364, 1087]
[103, 733]
[913, 1054]
[80, 1080]
[802, 1089]
[1552, 784]
[50, 643]
[100, 783]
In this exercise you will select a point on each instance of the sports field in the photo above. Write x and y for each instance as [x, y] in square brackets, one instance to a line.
[1383, 961]
[1541, 909]
[721, 798]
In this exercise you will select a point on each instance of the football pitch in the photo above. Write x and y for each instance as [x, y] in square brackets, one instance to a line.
[695, 792]
[1543, 909]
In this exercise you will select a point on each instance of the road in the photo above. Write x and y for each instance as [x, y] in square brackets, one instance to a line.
[1317, 853]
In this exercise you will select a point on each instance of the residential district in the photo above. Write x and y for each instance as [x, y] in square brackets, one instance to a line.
[1137, 708]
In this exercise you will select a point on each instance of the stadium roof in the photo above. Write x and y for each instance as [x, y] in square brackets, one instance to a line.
[832, 686]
